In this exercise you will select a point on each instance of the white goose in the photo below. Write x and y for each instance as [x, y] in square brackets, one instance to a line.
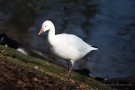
[66, 46]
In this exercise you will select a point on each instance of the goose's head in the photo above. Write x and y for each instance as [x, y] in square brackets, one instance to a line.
[47, 25]
[3, 38]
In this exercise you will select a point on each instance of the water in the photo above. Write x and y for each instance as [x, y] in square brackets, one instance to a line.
[106, 24]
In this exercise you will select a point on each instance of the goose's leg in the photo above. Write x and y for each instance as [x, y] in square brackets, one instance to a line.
[70, 66]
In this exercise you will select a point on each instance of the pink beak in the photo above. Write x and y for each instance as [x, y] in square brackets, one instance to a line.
[41, 31]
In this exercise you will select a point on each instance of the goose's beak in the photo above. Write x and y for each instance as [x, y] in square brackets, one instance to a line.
[41, 31]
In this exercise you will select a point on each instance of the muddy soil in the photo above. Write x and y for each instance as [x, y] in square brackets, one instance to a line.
[15, 78]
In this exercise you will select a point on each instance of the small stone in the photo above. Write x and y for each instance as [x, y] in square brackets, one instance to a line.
[35, 79]
[36, 67]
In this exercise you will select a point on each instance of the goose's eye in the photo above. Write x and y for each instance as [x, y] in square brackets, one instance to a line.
[45, 25]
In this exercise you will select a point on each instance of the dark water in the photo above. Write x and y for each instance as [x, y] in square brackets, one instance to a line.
[106, 24]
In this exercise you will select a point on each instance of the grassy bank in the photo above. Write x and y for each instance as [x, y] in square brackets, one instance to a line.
[44, 67]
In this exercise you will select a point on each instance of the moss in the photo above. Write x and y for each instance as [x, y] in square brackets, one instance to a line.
[44, 67]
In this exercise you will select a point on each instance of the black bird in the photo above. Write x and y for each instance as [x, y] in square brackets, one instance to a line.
[8, 42]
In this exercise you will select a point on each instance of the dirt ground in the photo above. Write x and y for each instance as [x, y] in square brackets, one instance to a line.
[15, 78]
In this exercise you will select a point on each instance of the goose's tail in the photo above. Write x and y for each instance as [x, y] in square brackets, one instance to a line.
[94, 48]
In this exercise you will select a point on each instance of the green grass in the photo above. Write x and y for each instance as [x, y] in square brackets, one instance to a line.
[44, 67]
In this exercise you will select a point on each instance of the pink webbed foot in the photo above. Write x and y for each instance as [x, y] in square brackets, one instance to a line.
[68, 75]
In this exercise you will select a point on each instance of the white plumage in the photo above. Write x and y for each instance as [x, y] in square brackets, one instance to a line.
[66, 46]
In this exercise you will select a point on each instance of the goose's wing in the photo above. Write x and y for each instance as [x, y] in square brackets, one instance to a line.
[75, 42]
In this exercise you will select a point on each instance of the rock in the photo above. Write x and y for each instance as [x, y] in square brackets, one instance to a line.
[85, 72]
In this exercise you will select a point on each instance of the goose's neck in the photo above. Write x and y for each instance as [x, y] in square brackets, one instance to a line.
[51, 36]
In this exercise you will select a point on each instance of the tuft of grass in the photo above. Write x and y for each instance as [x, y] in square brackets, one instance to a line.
[44, 67]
